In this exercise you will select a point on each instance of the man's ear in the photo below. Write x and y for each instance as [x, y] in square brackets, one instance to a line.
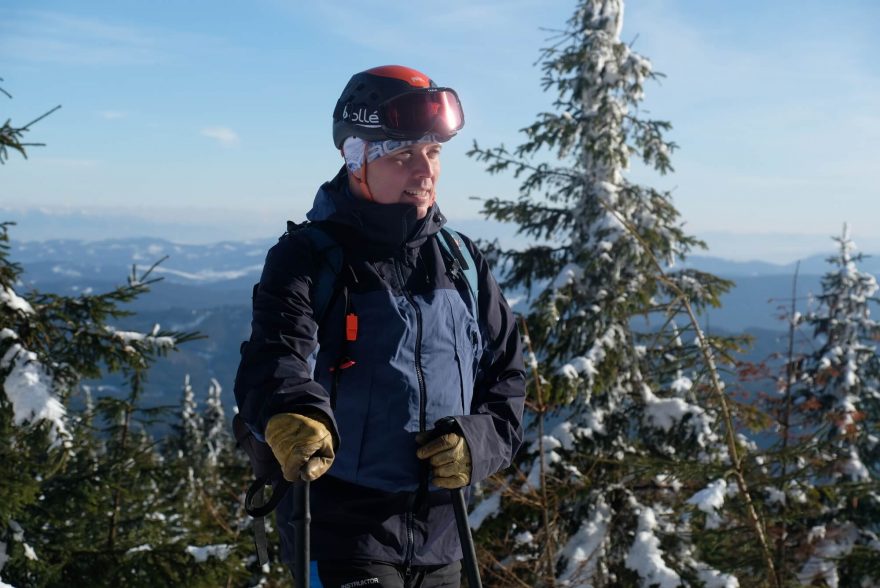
[354, 183]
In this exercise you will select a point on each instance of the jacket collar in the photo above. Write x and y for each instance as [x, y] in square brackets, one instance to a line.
[377, 227]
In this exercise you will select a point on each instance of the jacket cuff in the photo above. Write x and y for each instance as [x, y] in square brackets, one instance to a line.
[480, 435]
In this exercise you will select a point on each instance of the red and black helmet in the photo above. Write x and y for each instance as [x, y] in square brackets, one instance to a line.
[395, 102]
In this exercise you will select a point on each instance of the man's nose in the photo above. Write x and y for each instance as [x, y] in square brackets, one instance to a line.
[422, 165]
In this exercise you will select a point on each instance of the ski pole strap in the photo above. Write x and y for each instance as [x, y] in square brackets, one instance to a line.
[253, 500]
[261, 543]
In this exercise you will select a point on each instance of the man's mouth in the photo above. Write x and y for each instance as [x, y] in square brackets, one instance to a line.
[417, 193]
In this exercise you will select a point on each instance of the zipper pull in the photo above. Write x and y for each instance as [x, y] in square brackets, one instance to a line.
[351, 327]
[344, 364]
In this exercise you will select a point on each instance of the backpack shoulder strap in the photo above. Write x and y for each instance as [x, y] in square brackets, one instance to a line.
[330, 265]
[453, 244]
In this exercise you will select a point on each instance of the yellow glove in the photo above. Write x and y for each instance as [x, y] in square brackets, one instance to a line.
[450, 460]
[302, 445]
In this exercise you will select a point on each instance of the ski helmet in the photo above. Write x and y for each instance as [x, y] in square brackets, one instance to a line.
[395, 102]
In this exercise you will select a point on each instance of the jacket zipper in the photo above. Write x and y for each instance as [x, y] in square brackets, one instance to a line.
[423, 401]
[410, 540]
[423, 393]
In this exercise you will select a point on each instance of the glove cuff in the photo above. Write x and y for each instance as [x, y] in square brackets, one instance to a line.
[315, 419]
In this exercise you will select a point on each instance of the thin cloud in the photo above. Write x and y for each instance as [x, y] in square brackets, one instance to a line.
[55, 37]
[223, 135]
[458, 18]
[112, 114]
[66, 162]
[59, 38]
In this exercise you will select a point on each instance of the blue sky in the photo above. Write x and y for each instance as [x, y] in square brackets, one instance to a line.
[201, 121]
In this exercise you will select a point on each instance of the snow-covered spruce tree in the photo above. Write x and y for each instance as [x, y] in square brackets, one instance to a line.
[215, 426]
[185, 448]
[837, 398]
[204, 479]
[631, 448]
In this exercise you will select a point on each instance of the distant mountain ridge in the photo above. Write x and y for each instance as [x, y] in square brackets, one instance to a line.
[223, 273]
[208, 288]
[217, 262]
[229, 260]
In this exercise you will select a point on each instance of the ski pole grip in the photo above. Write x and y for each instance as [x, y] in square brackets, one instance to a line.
[441, 427]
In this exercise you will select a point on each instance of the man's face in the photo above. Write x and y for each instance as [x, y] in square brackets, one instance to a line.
[408, 175]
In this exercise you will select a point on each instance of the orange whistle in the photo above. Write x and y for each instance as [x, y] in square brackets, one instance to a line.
[351, 327]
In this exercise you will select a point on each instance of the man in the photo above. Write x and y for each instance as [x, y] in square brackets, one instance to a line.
[402, 344]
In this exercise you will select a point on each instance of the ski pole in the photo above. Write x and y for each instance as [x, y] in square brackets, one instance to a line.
[459, 506]
[468, 552]
[302, 519]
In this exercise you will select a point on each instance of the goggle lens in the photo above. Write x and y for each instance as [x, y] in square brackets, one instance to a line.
[416, 114]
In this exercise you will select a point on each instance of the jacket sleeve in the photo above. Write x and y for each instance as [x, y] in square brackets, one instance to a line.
[274, 375]
[493, 430]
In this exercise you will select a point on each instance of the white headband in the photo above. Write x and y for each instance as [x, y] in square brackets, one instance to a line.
[353, 149]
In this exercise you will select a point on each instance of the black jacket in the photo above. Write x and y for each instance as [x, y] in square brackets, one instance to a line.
[420, 354]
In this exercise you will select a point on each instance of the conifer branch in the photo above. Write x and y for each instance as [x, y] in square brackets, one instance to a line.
[717, 389]
[545, 505]
[496, 568]
[11, 136]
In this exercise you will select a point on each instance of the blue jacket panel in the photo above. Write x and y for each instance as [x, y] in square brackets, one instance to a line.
[420, 355]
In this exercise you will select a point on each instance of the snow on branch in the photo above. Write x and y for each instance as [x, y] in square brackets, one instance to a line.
[709, 500]
[585, 547]
[832, 546]
[151, 340]
[29, 388]
[645, 556]
[486, 509]
[562, 436]
[201, 554]
[586, 365]
[666, 413]
[14, 301]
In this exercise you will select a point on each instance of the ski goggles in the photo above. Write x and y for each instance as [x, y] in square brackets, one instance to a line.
[414, 114]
